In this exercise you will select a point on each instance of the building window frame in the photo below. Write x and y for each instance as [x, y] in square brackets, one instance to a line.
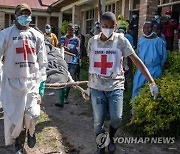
[110, 7]
[89, 19]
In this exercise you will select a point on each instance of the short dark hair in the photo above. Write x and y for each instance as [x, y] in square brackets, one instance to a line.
[149, 22]
[70, 25]
[108, 16]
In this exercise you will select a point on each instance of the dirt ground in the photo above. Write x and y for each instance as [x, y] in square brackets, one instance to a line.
[70, 130]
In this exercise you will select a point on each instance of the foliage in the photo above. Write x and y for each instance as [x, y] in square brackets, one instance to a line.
[64, 27]
[173, 62]
[85, 63]
[161, 116]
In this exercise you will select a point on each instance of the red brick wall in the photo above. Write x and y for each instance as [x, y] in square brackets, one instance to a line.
[41, 23]
[147, 11]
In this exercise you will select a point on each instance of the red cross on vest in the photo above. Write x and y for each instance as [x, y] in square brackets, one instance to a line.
[103, 64]
[25, 49]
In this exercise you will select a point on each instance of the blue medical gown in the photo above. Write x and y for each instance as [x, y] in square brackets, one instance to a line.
[153, 54]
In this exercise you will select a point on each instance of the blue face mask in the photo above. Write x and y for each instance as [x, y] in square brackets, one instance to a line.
[48, 30]
[24, 20]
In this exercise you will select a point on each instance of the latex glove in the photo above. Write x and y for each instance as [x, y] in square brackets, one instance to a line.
[39, 99]
[154, 90]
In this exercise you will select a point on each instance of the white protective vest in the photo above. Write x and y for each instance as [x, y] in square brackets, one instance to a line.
[106, 62]
[21, 53]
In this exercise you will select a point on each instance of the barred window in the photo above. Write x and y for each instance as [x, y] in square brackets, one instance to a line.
[89, 20]
[110, 8]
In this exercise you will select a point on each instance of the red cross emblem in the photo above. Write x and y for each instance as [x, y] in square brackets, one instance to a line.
[25, 49]
[103, 64]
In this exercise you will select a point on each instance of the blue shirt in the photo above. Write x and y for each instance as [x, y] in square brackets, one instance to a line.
[74, 47]
[130, 39]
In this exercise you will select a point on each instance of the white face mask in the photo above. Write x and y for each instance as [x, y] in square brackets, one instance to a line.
[156, 16]
[134, 16]
[168, 16]
[152, 33]
[107, 31]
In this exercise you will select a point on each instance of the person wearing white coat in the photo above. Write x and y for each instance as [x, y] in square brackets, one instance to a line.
[24, 67]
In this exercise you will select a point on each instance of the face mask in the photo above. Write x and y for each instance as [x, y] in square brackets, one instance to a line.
[152, 33]
[134, 16]
[24, 20]
[107, 31]
[168, 16]
[156, 16]
[48, 30]
[97, 25]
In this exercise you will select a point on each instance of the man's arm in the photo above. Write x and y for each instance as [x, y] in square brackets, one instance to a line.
[144, 70]
[137, 61]
[42, 59]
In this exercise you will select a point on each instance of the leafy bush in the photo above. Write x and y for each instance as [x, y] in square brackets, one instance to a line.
[173, 62]
[64, 27]
[161, 116]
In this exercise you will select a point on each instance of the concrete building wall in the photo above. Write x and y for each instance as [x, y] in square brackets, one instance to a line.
[126, 11]
[118, 7]
[2, 20]
[54, 23]
[76, 15]
[6, 23]
[41, 23]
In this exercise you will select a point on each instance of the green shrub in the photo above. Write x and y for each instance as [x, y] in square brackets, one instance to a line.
[64, 27]
[173, 62]
[160, 116]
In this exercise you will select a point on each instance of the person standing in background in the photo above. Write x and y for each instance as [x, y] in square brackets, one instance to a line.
[168, 27]
[48, 34]
[152, 51]
[133, 28]
[96, 29]
[71, 43]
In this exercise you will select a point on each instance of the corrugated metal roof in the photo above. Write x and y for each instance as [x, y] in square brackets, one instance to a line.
[34, 4]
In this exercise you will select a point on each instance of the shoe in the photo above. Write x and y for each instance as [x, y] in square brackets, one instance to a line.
[131, 123]
[61, 98]
[31, 140]
[112, 145]
[66, 93]
[19, 142]
[100, 151]
[59, 105]
[66, 101]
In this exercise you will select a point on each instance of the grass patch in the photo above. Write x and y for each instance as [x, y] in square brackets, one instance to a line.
[43, 117]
